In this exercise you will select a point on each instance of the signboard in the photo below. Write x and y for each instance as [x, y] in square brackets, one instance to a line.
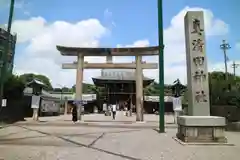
[4, 102]
[177, 104]
[79, 102]
[35, 101]
[88, 97]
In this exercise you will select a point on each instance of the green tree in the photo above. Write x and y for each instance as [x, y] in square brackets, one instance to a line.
[221, 91]
[13, 88]
[154, 90]
[85, 88]
[64, 89]
[28, 77]
[92, 89]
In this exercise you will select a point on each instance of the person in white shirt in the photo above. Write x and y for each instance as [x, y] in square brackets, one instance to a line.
[177, 107]
[105, 108]
[114, 110]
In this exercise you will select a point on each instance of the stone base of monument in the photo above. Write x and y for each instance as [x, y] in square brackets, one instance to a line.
[201, 129]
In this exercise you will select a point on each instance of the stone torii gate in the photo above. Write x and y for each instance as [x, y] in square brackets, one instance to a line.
[80, 65]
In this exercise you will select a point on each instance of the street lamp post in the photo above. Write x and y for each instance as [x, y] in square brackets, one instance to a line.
[6, 51]
[161, 68]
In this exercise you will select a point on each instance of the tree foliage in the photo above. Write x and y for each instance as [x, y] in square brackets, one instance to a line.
[224, 92]
[28, 77]
[13, 87]
[154, 90]
[87, 89]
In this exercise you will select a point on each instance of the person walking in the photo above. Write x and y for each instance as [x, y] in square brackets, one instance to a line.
[114, 110]
[105, 109]
[74, 114]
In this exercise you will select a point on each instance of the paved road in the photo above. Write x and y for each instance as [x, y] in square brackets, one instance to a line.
[44, 142]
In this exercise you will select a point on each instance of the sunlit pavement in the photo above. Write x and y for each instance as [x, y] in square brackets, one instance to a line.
[76, 141]
[150, 121]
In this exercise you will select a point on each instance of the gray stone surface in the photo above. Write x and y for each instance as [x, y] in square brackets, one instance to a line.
[91, 120]
[206, 129]
[197, 73]
[120, 117]
[201, 121]
[76, 142]
[202, 134]
[199, 125]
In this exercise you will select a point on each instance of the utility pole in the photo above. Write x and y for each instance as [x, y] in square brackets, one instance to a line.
[161, 68]
[234, 66]
[225, 46]
[3, 73]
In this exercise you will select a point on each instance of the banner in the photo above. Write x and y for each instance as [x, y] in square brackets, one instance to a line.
[4, 102]
[35, 101]
[177, 104]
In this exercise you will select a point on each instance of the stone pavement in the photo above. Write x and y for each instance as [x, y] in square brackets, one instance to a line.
[151, 121]
[101, 118]
[45, 142]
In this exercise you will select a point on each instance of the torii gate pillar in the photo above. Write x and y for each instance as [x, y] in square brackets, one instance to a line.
[79, 79]
[139, 89]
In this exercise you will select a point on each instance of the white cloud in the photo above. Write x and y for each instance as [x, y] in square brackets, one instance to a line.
[213, 26]
[41, 56]
[28, 29]
[220, 66]
[174, 40]
[138, 43]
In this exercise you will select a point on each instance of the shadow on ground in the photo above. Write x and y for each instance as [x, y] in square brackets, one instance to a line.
[47, 139]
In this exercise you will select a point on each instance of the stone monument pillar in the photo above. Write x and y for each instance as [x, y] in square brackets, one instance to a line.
[79, 79]
[139, 89]
[199, 126]
[197, 72]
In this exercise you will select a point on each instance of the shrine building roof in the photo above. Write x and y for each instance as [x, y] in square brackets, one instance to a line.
[119, 75]
[131, 51]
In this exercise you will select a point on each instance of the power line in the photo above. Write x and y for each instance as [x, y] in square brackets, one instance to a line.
[225, 46]
[234, 66]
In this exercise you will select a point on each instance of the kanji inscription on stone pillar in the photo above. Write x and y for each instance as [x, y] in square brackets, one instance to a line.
[197, 73]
